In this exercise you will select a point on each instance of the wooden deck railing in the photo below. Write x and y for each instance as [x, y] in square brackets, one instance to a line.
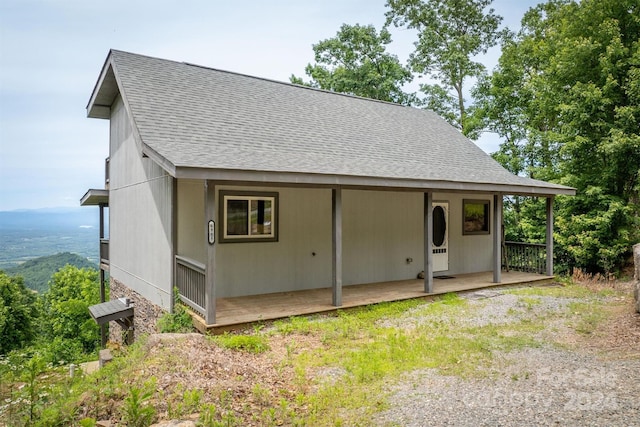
[527, 257]
[190, 281]
[104, 251]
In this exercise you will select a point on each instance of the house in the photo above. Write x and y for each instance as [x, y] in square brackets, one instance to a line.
[227, 185]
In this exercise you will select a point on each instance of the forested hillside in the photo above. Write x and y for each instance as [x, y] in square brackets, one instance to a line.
[564, 100]
[37, 272]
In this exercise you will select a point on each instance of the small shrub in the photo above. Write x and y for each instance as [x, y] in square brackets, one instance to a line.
[178, 322]
[137, 412]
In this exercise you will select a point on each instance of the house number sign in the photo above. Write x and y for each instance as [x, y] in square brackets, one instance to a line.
[212, 232]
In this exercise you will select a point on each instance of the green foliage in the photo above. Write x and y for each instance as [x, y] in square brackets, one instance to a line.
[248, 343]
[179, 321]
[37, 272]
[451, 35]
[566, 97]
[137, 411]
[66, 306]
[18, 313]
[356, 62]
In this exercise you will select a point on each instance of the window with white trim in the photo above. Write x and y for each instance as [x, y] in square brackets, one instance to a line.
[248, 216]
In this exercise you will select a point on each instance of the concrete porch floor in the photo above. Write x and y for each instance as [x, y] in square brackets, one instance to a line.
[236, 312]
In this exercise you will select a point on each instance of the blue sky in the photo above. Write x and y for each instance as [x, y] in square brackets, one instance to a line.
[51, 53]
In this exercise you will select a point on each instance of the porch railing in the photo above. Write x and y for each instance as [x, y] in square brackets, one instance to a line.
[526, 257]
[190, 281]
[104, 251]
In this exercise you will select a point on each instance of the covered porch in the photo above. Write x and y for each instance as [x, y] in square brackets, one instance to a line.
[236, 312]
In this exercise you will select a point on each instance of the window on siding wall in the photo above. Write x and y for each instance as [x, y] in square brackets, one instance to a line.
[475, 219]
[248, 216]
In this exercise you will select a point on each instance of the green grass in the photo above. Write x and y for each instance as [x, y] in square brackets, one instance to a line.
[363, 347]
[248, 343]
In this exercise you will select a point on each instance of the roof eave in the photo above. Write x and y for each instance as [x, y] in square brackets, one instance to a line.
[328, 180]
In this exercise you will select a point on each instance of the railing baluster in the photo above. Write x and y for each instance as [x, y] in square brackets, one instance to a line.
[190, 281]
[526, 257]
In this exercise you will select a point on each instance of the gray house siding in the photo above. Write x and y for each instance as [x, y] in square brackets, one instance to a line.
[381, 230]
[288, 264]
[140, 196]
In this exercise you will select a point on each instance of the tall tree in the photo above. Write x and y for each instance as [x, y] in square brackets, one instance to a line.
[17, 313]
[451, 33]
[71, 292]
[569, 88]
[356, 62]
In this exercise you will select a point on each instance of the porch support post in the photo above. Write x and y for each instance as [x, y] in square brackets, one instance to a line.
[103, 293]
[549, 239]
[174, 239]
[210, 268]
[428, 246]
[336, 221]
[497, 238]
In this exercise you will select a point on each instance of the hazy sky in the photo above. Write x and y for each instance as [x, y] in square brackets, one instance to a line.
[52, 51]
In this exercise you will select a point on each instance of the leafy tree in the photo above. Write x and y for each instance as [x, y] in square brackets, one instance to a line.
[451, 33]
[38, 271]
[18, 313]
[356, 62]
[71, 292]
[566, 97]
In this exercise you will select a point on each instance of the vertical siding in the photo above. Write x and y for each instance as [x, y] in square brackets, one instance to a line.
[289, 263]
[471, 253]
[381, 229]
[140, 201]
[191, 222]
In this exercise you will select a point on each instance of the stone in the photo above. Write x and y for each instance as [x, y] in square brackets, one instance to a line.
[104, 357]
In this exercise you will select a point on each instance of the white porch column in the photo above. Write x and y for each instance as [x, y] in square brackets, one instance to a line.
[428, 246]
[549, 239]
[210, 268]
[336, 221]
[497, 238]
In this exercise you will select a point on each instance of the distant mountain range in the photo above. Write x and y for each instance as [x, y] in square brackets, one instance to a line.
[29, 234]
[37, 272]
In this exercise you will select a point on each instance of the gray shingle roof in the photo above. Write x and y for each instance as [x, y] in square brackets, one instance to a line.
[197, 117]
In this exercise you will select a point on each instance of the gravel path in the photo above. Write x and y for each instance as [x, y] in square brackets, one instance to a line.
[535, 386]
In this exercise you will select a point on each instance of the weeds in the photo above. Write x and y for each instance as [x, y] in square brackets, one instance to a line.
[248, 343]
[367, 351]
[137, 411]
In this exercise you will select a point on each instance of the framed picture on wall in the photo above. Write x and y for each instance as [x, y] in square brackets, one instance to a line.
[475, 216]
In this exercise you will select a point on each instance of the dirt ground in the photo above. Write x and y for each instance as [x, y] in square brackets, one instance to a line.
[255, 382]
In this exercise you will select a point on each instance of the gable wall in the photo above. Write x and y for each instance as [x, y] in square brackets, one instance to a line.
[140, 203]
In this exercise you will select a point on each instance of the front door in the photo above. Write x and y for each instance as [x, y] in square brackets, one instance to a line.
[440, 238]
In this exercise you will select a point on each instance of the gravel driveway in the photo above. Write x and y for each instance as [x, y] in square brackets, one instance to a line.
[547, 385]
